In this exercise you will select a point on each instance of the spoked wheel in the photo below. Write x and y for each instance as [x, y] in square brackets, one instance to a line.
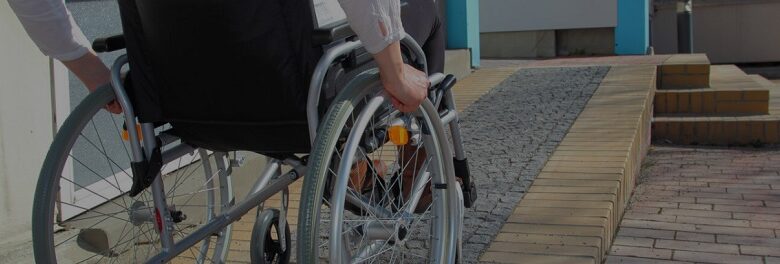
[83, 214]
[268, 245]
[378, 189]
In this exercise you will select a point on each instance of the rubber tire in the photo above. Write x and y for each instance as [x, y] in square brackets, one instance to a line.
[48, 180]
[268, 219]
[328, 135]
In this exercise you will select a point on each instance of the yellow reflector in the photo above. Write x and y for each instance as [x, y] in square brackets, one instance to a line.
[126, 135]
[398, 135]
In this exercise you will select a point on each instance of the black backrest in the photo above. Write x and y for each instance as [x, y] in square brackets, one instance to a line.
[220, 61]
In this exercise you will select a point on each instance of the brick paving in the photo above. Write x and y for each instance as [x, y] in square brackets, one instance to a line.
[703, 205]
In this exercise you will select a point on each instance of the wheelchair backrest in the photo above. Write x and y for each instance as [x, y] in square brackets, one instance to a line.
[218, 61]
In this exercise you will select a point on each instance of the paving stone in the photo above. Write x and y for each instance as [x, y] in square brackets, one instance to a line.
[749, 240]
[696, 246]
[715, 257]
[688, 236]
[633, 260]
[508, 257]
[649, 233]
[641, 252]
[633, 241]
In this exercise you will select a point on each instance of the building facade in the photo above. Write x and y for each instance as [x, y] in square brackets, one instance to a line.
[550, 28]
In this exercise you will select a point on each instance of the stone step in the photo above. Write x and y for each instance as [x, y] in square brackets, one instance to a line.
[731, 93]
[712, 101]
[725, 130]
[684, 71]
[744, 130]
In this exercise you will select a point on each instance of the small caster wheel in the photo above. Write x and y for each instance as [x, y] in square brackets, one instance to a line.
[266, 246]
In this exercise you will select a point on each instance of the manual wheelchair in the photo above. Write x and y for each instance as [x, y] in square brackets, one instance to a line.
[149, 202]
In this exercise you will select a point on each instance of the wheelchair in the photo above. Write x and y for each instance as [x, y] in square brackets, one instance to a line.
[164, 199]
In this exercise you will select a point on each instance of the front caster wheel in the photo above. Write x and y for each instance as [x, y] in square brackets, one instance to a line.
[266, 245]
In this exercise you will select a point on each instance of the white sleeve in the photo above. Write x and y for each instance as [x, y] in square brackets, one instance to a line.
[51, 27]
[376, 22]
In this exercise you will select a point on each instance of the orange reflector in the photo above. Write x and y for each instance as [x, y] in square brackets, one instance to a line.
[126, 135]
[398, 135]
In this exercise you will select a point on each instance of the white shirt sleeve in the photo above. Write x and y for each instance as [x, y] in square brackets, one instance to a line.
[51, 27]
[376, 22]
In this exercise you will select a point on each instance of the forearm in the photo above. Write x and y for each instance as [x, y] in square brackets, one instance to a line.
[390, 64]
[90, 70]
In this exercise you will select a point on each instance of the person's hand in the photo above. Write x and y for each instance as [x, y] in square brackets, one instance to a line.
[406, 85]
[93, 73]
[408, 92]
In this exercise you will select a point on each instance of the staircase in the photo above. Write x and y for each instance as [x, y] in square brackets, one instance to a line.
[702, 104]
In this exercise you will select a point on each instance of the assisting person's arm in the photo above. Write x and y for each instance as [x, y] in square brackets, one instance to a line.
[52, 28]
[378, 26]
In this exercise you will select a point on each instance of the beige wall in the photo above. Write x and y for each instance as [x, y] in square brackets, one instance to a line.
[528, 15]
[728, 31]
[25, 130]
[523, 44]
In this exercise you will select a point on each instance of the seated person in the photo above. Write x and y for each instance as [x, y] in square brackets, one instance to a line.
[211, 66]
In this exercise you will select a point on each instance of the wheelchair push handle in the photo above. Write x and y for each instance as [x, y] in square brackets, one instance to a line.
[109, 44]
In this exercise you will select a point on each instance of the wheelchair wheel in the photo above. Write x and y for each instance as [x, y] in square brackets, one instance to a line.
[82, 212]
[407, 200]
[266, 245]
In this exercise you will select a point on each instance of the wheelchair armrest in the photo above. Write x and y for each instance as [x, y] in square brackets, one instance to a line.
[327, 35]
[109, 44]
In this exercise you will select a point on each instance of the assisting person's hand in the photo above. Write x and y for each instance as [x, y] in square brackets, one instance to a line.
[406, 85]
[93, 73]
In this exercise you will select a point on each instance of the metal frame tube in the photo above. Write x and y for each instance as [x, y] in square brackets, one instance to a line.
[226, 218]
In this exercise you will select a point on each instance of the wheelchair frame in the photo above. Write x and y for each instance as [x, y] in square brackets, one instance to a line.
[271, 180]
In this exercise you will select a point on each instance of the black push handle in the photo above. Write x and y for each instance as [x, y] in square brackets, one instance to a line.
[109, 44]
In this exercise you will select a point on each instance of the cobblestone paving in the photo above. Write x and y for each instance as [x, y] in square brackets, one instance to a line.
[704, 205]
[509, 133]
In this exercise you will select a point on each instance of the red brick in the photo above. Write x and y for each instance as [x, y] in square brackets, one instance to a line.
[761, 217]
[656, 204]
[760, 251]
[657, 225]
[712, 221]
[633, 260]
[746, 209]
[740, 186]
[649, 233]
[697, 246]
[641, 252]
[633, 241]
[631, 214]
[712, 195]
[765, 224]
[695, 206]
[728, 202]
[738, 231]
[699, 213]
[715, 257]
[749, 240]
[654, 197]
[688, 236]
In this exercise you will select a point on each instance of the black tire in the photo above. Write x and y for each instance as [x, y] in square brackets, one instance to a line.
[437, 224]
[264, 248]
[115, 227]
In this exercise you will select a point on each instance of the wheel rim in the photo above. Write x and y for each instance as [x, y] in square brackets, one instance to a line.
[94, 221]
[388, 231]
